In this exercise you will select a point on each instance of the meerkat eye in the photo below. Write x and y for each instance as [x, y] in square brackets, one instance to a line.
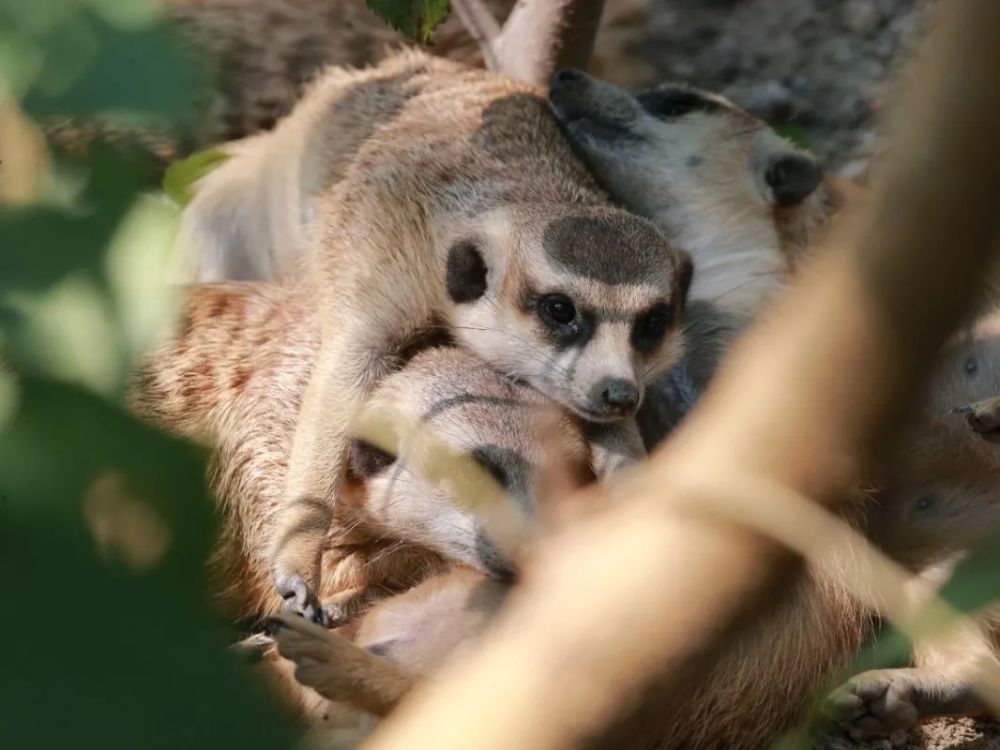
[924, 502]
[971, 366]
[673, 102]
[652, 327]
[557, 309]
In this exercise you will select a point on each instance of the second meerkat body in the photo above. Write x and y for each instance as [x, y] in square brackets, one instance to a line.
[234, 377]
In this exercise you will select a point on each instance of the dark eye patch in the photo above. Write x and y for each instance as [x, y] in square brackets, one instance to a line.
[971, 366]
[675, 101]
[466, 272]
[507, 467]
[651, 327]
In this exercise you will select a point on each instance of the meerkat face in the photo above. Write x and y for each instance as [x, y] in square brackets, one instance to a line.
[923, 524]
[584, 306]
[970, 368]
[508, 431]
[710, 174]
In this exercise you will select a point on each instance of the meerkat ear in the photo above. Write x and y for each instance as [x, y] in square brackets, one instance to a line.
[466, 272]
[682, 285]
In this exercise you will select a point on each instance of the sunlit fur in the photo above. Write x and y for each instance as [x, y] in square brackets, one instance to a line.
[234, 378]
[387, 170]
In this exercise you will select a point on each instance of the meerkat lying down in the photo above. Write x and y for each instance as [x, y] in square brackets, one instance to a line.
[761, 688]
[428, 195]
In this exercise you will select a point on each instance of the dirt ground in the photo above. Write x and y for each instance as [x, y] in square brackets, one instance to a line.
[961, 734]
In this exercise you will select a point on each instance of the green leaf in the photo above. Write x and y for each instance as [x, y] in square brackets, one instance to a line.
[131, 656]
[794, 133]
[416, 19]
[180, 177]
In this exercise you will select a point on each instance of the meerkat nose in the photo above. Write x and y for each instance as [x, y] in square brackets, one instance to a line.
[567, 76]
[793, 178]
[618, 395]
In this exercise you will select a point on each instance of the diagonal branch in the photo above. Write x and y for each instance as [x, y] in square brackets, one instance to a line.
[640, 602]
[482, 27]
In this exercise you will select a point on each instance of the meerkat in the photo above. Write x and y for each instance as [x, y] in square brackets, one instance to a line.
[741, 200]
[794, 651]
[234, 378]
[464, 209]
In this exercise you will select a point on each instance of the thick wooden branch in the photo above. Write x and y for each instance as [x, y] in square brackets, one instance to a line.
[634, 607]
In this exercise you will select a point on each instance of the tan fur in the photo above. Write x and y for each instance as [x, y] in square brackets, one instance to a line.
[467, 157]
[234, 378]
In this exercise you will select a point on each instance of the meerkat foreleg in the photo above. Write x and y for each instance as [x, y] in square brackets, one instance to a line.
[945, 682]
[983, 417]
[343, 377]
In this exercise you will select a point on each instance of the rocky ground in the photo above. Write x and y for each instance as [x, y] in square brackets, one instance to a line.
[820, 65]
[825, 68]
[963, 734]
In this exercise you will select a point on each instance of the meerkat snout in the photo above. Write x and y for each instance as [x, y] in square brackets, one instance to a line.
[793, 178]
[616, 396]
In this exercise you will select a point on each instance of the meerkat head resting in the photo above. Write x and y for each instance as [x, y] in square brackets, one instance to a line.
[550, 302]
[512, 433]
[718, 181]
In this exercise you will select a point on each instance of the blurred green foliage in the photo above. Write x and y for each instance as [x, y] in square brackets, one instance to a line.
[416, 19]
[180, 177]
[105, 523]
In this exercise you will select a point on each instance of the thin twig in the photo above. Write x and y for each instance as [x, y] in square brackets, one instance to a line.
[482, 27]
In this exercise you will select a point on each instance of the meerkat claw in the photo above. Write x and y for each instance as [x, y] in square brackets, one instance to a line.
[299, 600]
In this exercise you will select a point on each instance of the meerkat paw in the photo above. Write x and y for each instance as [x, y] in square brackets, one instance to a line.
[875, 702]
[884, 700]
[983, 417]
[300, 599]
[306, 644]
